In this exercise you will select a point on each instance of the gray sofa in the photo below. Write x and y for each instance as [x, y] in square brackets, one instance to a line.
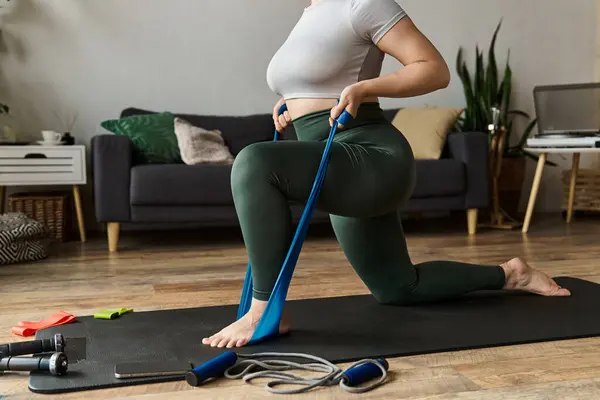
[201, 194]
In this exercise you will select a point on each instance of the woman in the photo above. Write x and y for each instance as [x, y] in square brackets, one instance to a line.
[336, 52]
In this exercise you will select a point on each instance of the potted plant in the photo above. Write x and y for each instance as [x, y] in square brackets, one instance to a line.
[488, 109]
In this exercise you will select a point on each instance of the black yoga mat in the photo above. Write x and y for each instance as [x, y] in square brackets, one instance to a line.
[339, 329]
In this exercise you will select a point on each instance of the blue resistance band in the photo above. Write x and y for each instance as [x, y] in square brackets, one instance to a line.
[268, 326]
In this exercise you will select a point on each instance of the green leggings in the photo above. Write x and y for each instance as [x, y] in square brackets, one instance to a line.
[371, 174]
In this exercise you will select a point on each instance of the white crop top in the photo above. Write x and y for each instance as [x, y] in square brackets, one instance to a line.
[333, 45]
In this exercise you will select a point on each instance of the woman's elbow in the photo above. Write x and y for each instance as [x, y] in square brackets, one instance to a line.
[447, 79]
[442, 76]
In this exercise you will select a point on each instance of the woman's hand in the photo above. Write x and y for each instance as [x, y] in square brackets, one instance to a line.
[350, 100]
[281, 121]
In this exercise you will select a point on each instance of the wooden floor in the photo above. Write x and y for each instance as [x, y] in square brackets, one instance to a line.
[166, 270]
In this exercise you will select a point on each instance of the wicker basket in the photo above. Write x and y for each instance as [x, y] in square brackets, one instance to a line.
[587, 190]
[51, 209]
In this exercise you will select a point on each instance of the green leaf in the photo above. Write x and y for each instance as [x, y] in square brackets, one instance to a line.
[492, 75]
[491, 86]
[505, 96]
[468, 87]
[507, 76]
[508, 133]
[495, 36]
[459, 62]
[485, 116]
[469, 120]
[479, 73]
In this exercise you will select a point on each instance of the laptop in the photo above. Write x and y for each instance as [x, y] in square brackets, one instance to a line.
[568, 115]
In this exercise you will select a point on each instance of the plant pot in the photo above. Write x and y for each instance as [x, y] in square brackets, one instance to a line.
[510, 184]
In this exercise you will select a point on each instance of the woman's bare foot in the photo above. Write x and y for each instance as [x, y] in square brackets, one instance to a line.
[520, 276]
[240, 332]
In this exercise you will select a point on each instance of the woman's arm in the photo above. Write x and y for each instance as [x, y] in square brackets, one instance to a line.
[424, 70]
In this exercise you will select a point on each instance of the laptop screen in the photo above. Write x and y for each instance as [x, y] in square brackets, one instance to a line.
[568, 109]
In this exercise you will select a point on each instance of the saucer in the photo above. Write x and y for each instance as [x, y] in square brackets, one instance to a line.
[43, 143]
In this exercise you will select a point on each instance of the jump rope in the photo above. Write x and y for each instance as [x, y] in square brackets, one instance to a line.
[250, 366]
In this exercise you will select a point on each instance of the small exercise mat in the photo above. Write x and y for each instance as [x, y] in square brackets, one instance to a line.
[339, 329]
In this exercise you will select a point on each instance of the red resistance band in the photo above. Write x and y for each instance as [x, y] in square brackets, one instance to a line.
[26, 328]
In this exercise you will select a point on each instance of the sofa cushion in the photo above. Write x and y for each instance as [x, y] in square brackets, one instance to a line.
[238, 131]
[199, 146]
[153, 136]
[426, 129]
[206, 215]
[445, 177]
[180, 184]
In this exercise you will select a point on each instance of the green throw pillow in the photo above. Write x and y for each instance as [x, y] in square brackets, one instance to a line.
[153, 137]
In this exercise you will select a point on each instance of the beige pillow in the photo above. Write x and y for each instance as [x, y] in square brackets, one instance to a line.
[201, 146]
[426, 129]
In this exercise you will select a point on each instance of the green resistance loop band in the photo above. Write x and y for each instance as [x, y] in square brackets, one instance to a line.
[112, 313]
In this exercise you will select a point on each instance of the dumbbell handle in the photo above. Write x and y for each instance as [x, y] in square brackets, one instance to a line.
[57, 364]
[56, 344]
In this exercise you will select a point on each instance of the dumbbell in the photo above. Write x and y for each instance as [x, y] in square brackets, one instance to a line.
[55, 345]
[57, 364]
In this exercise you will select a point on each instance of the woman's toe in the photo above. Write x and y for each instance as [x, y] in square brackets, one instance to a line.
[215, 341]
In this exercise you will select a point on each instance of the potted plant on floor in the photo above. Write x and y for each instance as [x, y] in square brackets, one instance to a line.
[488, 109]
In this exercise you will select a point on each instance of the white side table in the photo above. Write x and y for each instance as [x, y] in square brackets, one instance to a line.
[44, 165]
[543, 154]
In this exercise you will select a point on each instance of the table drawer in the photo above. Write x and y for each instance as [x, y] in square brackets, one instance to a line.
[42, 165]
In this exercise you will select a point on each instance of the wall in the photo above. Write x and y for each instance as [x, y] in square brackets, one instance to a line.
[90, 59]
[597, 40]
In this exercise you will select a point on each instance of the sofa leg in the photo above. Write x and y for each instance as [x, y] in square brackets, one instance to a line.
[113, 236]
[472, 221]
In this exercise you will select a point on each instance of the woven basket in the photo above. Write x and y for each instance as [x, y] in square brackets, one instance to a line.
[51, 209]
[587, 190]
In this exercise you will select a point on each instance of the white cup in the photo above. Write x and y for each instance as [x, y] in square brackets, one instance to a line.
[51, 136]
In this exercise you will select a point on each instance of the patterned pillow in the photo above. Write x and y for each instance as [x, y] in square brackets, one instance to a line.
[153, 137]
[21, 239]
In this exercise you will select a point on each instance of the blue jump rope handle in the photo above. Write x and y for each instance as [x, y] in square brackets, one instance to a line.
[214, 368]
[364, 373]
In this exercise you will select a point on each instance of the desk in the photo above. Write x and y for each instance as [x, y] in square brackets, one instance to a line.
[543, 154]
[44, 165]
